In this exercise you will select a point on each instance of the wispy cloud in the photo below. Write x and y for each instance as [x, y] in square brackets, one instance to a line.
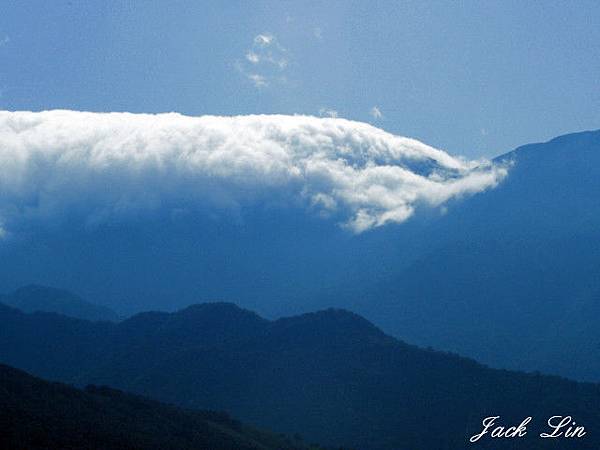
[264, 40]
[375, 112]
[265, 61]
[258, 80]
[252, 57]
[326, 112]
[318, 33]
[4, 40]
[101, 167]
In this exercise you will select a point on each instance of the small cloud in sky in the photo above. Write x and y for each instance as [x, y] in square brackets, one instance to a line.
[258, 80]
[4, 40]
[252, 57]
[375, 112]
[265, 61]
[264, 40]
[326, 112]
[483, 132]
[318, 33]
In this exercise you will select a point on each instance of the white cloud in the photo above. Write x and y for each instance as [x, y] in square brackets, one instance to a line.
[265, 61]
[264, 40]
[318, 33]
[375, 113]
[253, 57]
[258, 80]
[4, 40]
[94, 168]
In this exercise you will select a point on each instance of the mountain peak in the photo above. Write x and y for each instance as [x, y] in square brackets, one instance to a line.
[217, 307]
[34, 298]
[198, 322]
[332, 325]
[221, 311]
[578, 136]
[582, 142]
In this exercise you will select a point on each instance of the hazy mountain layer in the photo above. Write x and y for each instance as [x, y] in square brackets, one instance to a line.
[509, 276]
[331, 376]
[514, 280]
[34, 298]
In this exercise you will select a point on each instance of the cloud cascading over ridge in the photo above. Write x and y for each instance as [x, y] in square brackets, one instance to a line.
[98, 167]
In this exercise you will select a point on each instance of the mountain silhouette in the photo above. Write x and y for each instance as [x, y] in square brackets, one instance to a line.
[331, 376]
[36, 414]
[34, 298]
[514, 278]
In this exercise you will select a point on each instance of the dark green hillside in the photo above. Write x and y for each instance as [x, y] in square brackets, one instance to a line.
[35, 414]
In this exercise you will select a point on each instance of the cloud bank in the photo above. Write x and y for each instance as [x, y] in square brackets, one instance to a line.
[95, 168]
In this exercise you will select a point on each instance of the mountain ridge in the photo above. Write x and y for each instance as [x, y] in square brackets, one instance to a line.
[35, 297]
[330, 376]
[505, 270]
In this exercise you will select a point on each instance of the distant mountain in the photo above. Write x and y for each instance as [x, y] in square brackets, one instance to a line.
[513, 278]
[34, 298]
[510, 276]
[331, 376]
[35, 414]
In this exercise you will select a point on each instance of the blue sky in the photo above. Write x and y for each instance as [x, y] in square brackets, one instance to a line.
[473, 78]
